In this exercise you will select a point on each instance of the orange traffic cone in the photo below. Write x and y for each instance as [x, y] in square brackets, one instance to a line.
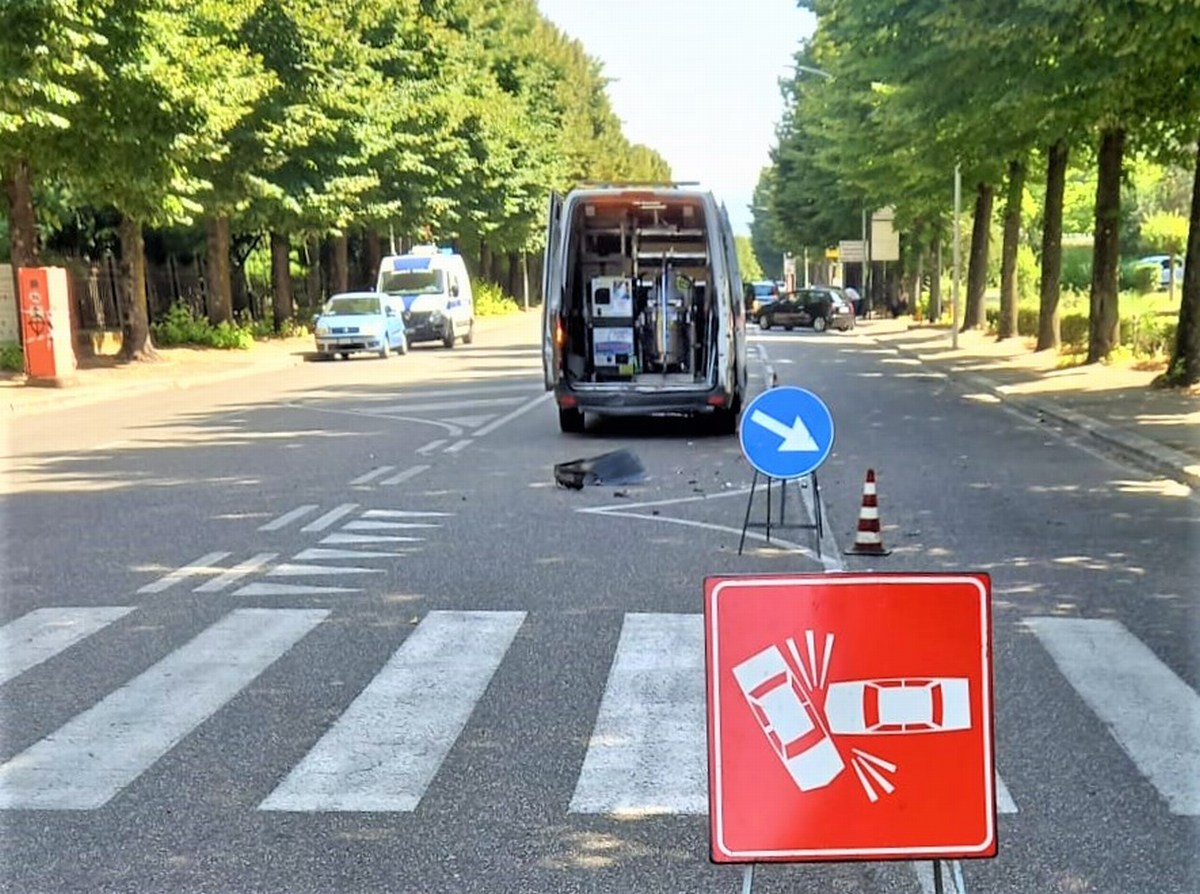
[867, 540]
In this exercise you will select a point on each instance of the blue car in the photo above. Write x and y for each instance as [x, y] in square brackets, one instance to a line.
[354, 322]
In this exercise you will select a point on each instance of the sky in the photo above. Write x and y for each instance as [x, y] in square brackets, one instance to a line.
[695, 80]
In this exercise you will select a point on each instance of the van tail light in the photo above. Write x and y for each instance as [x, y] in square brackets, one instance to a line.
[560, 334]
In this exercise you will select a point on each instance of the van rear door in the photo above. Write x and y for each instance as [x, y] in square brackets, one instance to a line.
[552, 285]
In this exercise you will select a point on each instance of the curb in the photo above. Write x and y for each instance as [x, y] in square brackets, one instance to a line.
[1149, 455]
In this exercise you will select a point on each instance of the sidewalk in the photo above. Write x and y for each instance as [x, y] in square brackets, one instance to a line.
[1157, 428]
[1113, 403]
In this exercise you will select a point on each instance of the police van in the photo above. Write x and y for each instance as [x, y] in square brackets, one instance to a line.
[436, 290]
[643, 306]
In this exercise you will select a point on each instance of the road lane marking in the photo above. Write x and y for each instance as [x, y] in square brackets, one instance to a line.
[519, 411]
[288, 517]
[1150, 711]
[377, 472]
[86, 762]
[648, 752]
[440, 406]
[404, 513]
[329, 518]
[345, 539]
[317, 554]
[203, 565]
[42, 633]
[373, 525]
[236, 573]
[433, 445]
[459, 446]
[294, 569]
[271, 589]
[406, 475]
[386, 748]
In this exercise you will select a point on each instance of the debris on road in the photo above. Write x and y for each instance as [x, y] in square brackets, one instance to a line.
[617, 467]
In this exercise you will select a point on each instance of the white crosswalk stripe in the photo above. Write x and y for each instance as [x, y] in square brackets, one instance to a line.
[1151, 712]
[88, 761]
[647, 753]
[385, 749]
[43, 633]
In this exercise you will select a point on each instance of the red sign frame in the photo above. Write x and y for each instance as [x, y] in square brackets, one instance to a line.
[850, 717]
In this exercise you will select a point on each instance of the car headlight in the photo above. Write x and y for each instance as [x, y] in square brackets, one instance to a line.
[435, 317]
[322, 329]
[373, 330]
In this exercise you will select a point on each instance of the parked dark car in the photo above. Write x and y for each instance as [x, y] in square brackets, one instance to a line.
[821, 308]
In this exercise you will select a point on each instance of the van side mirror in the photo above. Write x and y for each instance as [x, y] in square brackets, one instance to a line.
[390, 311]
[453, 290]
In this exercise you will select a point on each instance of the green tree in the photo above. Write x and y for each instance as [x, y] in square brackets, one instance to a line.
[46, 48]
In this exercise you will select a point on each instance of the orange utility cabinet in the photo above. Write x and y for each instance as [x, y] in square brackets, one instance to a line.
[46, 325]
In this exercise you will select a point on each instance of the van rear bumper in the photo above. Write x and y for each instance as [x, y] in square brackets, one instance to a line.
[641, 403]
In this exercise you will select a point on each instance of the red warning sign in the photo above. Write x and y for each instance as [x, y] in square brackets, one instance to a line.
[850, 717]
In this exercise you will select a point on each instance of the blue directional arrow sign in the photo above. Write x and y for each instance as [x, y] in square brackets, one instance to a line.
[786, 432]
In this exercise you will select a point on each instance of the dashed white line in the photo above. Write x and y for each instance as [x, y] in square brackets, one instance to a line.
[236, 573]
[377, 472]
[433, 445]
[330, 518]
[406, 475]
[288, 517]
[459, 445]
[203, 565]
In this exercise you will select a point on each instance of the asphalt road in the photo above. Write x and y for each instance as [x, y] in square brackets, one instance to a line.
[337, 630]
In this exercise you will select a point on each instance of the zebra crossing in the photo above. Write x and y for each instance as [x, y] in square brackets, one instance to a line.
[646, 754]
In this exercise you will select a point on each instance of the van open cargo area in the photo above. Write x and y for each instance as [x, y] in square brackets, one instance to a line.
[643, 310]
[637, 305]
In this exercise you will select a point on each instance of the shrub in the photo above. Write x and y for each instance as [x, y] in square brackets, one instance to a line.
[1028, 275]
[1073, 330]
[181, 327]
[1077, 267]
[1146, 278]
[1149, 334]
[490, 300]
[12, 358]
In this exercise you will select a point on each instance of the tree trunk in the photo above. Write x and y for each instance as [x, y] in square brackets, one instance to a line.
[1007, 324]
[372, 256]
[283, 307]
[1184, 368]
[514, 273]
[485, 260]
[220, 283]
[135, 308]
[1104, 315]
[496, 274]
[1052, 216]
[975, 316]
[22, 230]
[935, 277]
[314, 293]
[339, 257]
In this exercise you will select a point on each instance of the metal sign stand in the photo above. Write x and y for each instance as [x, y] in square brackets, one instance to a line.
[957, 884]
[817, 523]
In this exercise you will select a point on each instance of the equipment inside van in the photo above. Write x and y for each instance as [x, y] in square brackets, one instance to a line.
[436, 290]
[643, 309]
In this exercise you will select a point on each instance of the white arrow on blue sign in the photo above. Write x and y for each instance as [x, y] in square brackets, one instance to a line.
[786, 432]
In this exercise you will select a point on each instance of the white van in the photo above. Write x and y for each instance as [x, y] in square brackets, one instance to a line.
[436, 290]
[643, 305]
